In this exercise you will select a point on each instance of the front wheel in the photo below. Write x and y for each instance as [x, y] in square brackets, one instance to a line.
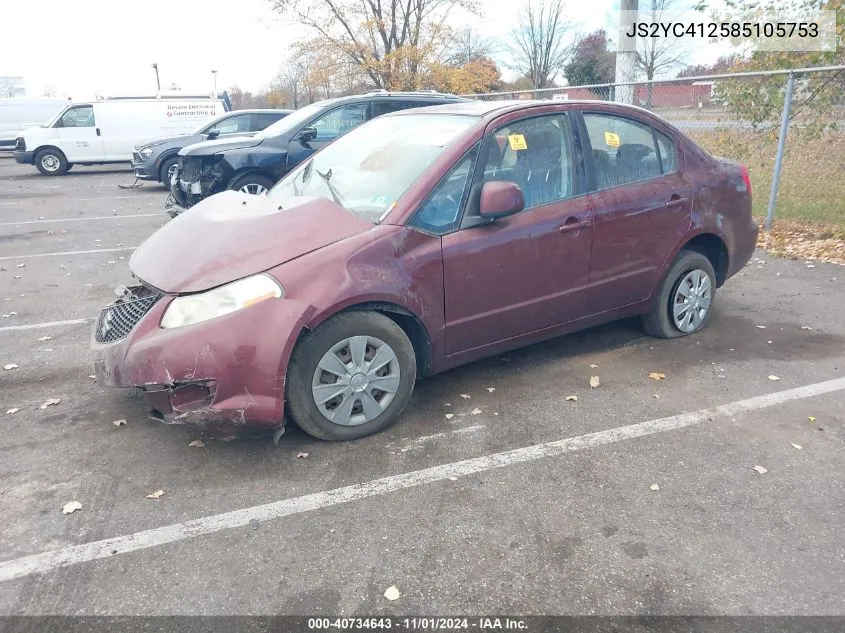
[685, 302]
[351, 377]
[254, 184]
[168, 168]
[51, 162]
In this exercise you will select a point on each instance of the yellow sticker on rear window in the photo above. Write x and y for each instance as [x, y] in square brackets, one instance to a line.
[517, 142]
[611, 139]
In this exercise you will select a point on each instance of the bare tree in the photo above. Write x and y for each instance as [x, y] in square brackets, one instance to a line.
[542, 45]
[658, 54]
[468, 46]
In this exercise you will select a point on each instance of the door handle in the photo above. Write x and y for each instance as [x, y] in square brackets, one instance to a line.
[573, 223]
[675, 201]
[98, 131]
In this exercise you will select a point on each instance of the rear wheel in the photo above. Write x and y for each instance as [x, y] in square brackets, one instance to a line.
[51, 162]
[685, 302]
[351, 377]
[254, 184]
[168, 168]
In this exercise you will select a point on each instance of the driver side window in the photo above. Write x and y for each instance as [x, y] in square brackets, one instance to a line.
[82, 116]
[440, 212]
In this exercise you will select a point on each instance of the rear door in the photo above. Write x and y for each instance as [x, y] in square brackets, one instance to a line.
[79, 135]
[641, 202]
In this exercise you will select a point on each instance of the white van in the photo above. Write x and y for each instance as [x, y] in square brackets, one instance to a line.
[107, 131]
[17, 114]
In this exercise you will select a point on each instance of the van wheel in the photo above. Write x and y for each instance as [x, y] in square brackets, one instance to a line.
[254, 184]
[51, 162]
[685, 303]
[167, 169]
[351, 377]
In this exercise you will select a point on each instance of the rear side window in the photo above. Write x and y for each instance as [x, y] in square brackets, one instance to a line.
[385, 107]
[626, 151]
[265, 119]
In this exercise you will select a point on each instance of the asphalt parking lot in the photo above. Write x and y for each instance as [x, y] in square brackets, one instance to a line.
[651, 505]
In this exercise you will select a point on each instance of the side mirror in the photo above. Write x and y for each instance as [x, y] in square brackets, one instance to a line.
[306, 134]
[212, 135]
[500, 199]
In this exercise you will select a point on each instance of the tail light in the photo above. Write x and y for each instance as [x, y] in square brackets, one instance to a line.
[745, 178]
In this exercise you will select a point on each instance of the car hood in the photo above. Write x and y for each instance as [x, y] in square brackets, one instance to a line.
[181, 139]
[207, 148]
[233, 235]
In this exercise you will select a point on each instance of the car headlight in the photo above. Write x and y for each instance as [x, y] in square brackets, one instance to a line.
[237, 295]
[145, 152]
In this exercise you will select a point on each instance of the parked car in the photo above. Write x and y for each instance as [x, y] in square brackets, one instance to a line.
[156, 160]
[253, 165]
[420, 241]
[107, 131]
[18, 114]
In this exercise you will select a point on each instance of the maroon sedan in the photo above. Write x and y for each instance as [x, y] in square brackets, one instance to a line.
[417, 242]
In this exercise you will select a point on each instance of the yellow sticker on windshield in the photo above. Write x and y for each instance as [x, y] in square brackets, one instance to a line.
[611, 139]
[517, 142]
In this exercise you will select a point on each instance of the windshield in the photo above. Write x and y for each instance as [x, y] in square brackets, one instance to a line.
[55, 118]
[292, 121]
[368, 169]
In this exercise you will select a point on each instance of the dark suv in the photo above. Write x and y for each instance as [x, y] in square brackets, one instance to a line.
[254, 164]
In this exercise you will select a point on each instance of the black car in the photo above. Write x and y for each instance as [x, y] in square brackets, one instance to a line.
[254, 164]
[157, 159]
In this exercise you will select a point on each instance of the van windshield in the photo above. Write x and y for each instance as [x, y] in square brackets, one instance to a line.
[53, 120]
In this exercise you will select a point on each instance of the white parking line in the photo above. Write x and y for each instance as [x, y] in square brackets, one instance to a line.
[100, 217]
[37, 326]
[96, 250]
[106, 548]
[140, 195]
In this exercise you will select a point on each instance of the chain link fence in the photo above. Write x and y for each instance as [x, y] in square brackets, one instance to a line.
[792, 137]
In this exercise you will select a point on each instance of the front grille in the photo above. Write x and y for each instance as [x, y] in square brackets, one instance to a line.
[118, 319]
[136, 158]
[20, 144]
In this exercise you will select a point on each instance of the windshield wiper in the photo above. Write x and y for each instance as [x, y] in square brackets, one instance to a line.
[328, 178]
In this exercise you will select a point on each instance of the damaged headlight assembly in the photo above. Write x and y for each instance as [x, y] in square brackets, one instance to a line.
[190, 309]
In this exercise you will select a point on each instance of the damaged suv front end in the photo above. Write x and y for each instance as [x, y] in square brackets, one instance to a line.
[196, 178]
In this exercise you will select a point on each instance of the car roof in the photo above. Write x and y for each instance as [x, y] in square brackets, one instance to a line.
[259, 111]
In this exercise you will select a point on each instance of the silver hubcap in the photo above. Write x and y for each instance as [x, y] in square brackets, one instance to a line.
[170, 171]
[50, 162]
[254, 189]
[692, 300]
[356, 380]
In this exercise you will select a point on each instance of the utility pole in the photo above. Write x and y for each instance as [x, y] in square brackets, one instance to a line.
[158, 81]
[626, 51]
[214, 74]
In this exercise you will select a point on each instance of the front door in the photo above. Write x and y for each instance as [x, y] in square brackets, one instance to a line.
[329, 126]
[528, 271]
[79, 136]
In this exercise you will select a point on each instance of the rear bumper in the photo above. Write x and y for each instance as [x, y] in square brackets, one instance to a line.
[27, 158]
[219, 376]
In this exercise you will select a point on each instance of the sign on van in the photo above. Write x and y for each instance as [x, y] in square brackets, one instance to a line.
[183, 111]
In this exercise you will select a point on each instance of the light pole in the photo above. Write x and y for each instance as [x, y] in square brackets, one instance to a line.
[158, 81]
[214, 74]
[626, 52]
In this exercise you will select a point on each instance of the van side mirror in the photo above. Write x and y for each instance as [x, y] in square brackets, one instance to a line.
[306, 134]
[500, 199]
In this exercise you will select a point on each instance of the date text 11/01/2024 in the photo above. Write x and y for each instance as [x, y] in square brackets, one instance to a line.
[418, 624]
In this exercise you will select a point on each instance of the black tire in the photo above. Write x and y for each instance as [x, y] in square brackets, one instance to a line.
[166, 166]
[659, 321]
[69, 167]
[251, 179]
[51, 156]
[309, 351]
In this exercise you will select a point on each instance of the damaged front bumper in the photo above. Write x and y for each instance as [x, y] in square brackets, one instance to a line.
[193, 181]
[221, 376]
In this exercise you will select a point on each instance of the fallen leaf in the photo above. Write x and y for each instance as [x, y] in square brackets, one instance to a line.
[795, 446]
[119, 423]
[50, 403]
[656, 375]
[654, 487]
[811, 418]
[761, 470]
[760, 327]
[811, 266]
[475, 411]
[156, 494]
[465, 396]
[449, 416]
[656, 395]
[391, 593]
[44, 338]
[111, 261]
[70, 507]
[806, 327]
[10, 366]
[594, 382]
[229, 438]
[301, 455]
[12, 410]
[594, 366]
[453, 479]
[92, 376]
[448, 404]
[491, 389]
[774, 377]
[196, 444]
[571, 398]
[21, 265]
